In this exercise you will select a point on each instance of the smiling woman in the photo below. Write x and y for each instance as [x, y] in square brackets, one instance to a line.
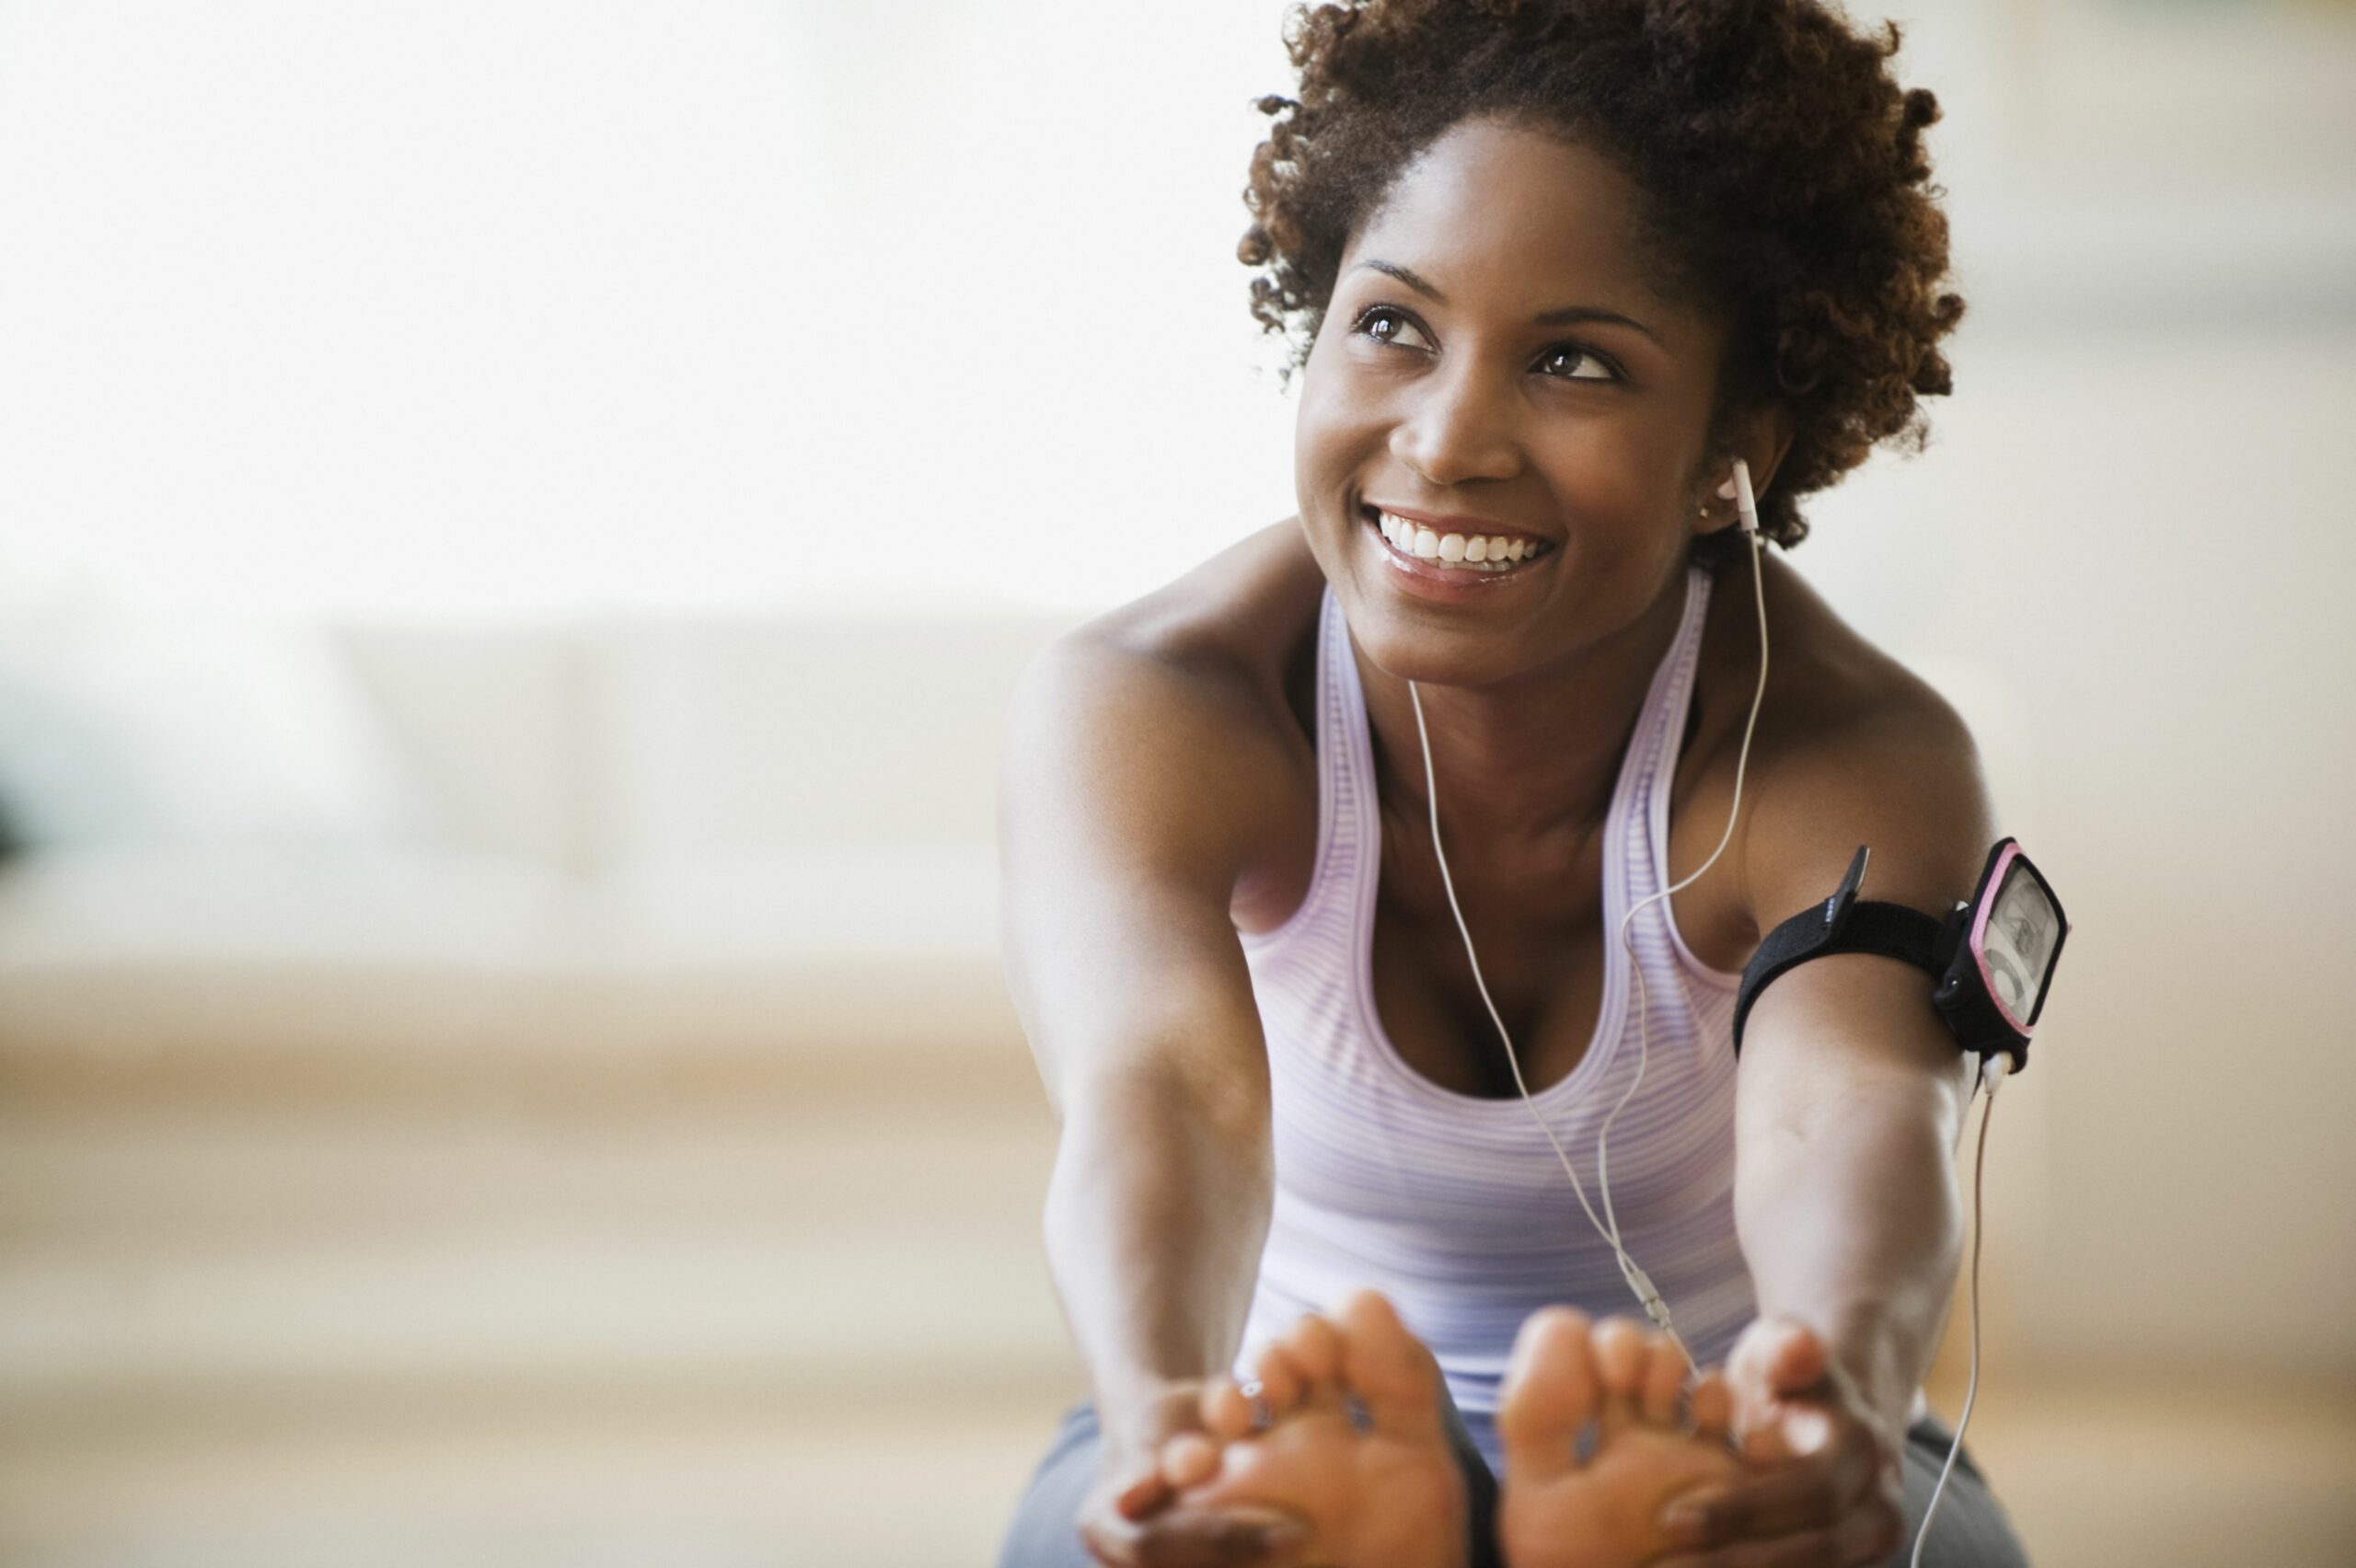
[1446, 368]
[1562, 276]
[1779, 176]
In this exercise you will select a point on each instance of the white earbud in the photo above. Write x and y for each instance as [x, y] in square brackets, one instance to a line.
[1737, 490]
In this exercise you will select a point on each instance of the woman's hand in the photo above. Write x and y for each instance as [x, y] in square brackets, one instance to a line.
[1132, 1518]
[1824, 1487]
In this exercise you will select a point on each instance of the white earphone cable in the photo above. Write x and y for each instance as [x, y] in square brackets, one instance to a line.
[1513, 1059]
[1608, 1226]
[1628, 944]
[1993, 1075]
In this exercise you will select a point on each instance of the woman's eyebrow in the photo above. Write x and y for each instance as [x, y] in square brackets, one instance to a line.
[1578, 315]
[1568, 316]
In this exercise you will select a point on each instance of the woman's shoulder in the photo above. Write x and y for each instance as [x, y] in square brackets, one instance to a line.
[1214, 672]
[1853, 748]
[1830, 687]
[1239, 629]
[1247, 613]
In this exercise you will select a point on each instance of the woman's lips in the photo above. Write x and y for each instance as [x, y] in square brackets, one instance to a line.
[1448, 585]
[1453, 524]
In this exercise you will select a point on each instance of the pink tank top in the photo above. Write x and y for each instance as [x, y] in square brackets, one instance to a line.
[1453, 1205]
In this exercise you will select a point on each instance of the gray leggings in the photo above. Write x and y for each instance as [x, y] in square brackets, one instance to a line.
[1970, 1532]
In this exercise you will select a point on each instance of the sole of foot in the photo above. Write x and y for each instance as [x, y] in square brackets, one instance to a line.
[1342, 1433]
[1651, 1438]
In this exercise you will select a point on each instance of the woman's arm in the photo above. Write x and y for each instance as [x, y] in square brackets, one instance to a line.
[1850, 1100]
[1131, 797]
[1848, 1106]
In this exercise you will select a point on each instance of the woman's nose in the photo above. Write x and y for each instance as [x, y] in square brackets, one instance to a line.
[1458, 427]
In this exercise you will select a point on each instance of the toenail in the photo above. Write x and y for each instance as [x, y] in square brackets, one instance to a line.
[1686, 1523]
[1285, 1536]
[1257, 1392]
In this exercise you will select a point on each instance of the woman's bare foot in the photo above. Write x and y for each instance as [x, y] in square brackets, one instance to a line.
[1558, 1512]
[1354, 1445]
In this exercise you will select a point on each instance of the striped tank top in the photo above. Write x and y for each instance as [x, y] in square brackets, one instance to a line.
[1452, 1205]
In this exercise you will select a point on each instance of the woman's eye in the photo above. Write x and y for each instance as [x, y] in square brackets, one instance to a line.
[1564, 360]
[1385, 325]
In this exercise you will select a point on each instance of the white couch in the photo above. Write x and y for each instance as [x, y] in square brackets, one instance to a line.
[570, 844]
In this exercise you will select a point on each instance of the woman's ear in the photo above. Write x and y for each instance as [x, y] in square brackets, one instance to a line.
[1761, 437]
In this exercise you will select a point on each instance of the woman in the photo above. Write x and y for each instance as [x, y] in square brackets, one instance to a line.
[1554, 271]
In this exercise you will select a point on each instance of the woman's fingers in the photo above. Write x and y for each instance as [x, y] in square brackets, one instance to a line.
[1196, 1538]
[1865, 1536]
[1143, 1495]
[1834, 1504]
[1853, 1543]
[1808, 1492]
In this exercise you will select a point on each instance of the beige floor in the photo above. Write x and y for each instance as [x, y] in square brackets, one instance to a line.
[2094, 1476]
[2162, 1472]
[709, 1334]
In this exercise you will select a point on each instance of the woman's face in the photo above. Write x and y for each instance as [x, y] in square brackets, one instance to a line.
[1495, 363]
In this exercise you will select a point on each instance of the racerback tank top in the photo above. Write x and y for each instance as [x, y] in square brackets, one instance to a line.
[1453, 1205]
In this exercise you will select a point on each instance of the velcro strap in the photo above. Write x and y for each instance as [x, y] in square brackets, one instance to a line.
[1891, 930]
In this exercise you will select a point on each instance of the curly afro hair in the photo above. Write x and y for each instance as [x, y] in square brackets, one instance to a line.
[1788, 185]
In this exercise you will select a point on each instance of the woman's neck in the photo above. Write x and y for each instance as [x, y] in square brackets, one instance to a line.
[1526, 768]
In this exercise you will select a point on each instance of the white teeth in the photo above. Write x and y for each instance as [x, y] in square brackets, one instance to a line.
[1480, 552]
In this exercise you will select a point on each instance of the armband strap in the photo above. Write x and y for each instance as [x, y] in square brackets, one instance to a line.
[1844, 923]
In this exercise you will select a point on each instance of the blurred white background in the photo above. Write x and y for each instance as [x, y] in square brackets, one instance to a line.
[516, 521]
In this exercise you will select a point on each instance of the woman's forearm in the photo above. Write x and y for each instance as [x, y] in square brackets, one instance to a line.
[1850, 1221]
[1156, 1215]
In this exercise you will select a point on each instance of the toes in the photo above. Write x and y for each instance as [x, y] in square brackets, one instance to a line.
[1282, 1384]
[1665, 1370]
[1621, 1357]
[1388, 1371]
[1235, 1410]
[1228, 1410]
[1549, 1395]
[1189, 1460]
[1711, 1404]
[1313, 1346]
